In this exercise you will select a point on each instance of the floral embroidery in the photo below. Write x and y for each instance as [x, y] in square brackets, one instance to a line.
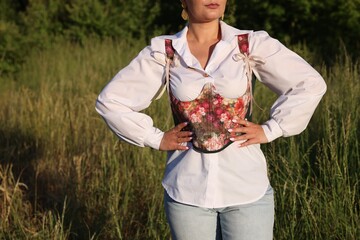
[210, 116]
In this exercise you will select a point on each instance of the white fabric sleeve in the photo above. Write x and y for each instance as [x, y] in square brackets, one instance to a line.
[298, 85]
[130, 91]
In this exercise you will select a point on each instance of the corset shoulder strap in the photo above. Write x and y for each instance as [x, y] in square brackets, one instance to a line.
[170, 52]
[169, 49]
[243, 42]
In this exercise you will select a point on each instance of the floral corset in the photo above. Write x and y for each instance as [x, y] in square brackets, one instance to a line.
[210, 116]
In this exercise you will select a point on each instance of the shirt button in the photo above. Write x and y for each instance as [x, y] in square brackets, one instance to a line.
[205, 75]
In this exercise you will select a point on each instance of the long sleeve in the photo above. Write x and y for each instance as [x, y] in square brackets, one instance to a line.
[129, 92]
[298, 85]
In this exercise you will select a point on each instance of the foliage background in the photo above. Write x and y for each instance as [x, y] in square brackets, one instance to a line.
[332, 26]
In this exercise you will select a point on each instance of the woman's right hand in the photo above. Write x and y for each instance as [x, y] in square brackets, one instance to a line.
[174, 138]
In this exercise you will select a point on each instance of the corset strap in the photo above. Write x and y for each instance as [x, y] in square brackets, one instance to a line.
[167, 73]
[250, 63]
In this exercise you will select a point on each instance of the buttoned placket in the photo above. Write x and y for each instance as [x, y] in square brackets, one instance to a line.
[212, 180]
[211, 159]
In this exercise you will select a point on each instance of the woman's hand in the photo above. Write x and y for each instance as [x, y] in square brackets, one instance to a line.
[252, 133]
[174, 138]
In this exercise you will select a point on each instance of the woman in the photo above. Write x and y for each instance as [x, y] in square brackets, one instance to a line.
[216, 183]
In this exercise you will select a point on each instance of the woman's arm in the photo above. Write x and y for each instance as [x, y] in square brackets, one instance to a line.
[129, 92]
[298, 85]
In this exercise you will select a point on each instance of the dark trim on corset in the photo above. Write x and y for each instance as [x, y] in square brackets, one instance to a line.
[206, 151]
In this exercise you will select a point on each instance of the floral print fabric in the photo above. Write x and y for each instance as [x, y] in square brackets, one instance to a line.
[210, 116]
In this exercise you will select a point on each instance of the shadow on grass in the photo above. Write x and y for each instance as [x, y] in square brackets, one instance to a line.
[21, 151]
[48, 186]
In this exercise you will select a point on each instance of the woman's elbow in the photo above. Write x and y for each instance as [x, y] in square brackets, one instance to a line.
[100, 106]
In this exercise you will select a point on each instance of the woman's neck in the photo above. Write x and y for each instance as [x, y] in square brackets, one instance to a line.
[204, 32]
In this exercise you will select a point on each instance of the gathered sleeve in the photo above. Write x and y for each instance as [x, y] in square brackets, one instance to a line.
[298, 85]
[128, 93]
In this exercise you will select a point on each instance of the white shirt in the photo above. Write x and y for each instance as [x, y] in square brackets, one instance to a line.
[235, 175]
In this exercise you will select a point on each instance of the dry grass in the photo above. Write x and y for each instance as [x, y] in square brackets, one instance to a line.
[63, 175]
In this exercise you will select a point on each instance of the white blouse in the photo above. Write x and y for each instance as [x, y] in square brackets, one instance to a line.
[235, 175]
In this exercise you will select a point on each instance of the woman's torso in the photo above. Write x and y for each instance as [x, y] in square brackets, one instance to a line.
[229, 177]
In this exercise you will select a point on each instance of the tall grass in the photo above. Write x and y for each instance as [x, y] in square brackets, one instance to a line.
[63, 174]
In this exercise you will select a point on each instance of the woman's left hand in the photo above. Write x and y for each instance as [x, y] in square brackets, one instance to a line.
[252, 133]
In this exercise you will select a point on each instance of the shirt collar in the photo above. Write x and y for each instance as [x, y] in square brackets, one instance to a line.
[227, 34]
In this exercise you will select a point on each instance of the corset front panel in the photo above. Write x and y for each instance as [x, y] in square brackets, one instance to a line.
[210, 116]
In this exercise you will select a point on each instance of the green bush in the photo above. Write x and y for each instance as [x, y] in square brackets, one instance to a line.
[24, 25]
[10, 46]
[37, 23]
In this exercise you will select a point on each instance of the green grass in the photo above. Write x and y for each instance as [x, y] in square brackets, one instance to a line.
[63, 174]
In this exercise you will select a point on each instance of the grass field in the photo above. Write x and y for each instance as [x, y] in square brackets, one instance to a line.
[64, 175]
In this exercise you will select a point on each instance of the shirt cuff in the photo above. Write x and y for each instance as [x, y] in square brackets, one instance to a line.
[272, 130]
[154, 138]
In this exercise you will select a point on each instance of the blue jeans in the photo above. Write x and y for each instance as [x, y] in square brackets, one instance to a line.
[253, 221]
